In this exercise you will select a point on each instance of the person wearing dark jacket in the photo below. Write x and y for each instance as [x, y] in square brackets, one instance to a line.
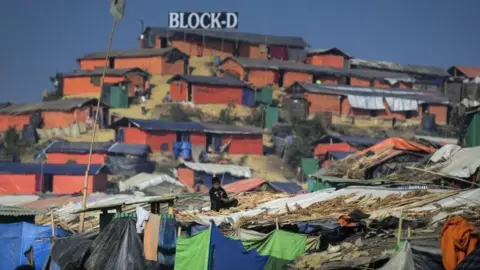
[219, 198]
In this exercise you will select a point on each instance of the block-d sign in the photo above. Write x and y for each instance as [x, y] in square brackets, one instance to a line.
[202, 20]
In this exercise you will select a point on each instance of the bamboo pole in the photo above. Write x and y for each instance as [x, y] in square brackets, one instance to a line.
[444, 175]
[102, 80]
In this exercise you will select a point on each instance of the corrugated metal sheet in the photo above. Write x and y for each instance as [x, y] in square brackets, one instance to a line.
[53, 202]
[209, 80]
[400, 68]
[108, 72]
[421, 96]
[130, 149]
[6, 210]
[219, 169]
[158, 125]
[78, 147]
[132, 53]
[56, 105]
[55, 169]
[300, 67]
[227, 35]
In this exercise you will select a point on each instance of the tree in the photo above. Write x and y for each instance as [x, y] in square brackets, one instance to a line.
[12, 142]
[57, 82]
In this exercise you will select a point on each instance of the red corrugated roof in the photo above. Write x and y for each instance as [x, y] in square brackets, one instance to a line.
[469, 71]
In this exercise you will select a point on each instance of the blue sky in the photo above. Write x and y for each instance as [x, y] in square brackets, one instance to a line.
[40, 37]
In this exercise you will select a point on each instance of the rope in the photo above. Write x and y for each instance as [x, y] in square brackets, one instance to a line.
[85, 182]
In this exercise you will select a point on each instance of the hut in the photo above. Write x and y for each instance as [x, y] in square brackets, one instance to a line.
[215, 42]
[166, 61]
[81, 82]
[161, 135]
[31, 178]
[331, 57]
[211, 90]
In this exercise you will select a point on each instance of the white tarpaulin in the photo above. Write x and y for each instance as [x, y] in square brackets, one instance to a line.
[462, 163]
[366, 103]
[401, 104]
[445, 152]
[146, 180]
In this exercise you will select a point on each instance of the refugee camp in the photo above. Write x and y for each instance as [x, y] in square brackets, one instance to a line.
[268, 143]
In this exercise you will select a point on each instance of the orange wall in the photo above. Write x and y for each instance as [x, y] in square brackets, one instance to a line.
[53, 119]
[359, 82]
[215, 94]
[323, 103]
[178, 91]
[197, 138]
[19, 183]
[234, 68]
[381, 84]
[186, 176]
[17, 121]
[68, 184]
[244, 144]
[82, 85]
[255, 52]
[134, 135]
[90, 64]
[440, 112]
[290, 77]
[331, 80]
[261, 77]
[62, 158]
[211, 48]
[152, 65]
[335, 61]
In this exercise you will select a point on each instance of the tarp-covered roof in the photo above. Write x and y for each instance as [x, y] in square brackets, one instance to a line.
[339, 154]
[55, 169]
[458, 162]
[398, 144]
[383, 65]
[55, 105]
[6, 210]
[157, 125]
[274, 64]
[333, 50]
[132, 53]
[209, 80]
[219, 169]
[108, 72]
[287, 187]
[98, 147]
[229, 35]
[424, 96]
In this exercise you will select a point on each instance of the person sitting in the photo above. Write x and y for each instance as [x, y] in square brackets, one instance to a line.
[219, 198]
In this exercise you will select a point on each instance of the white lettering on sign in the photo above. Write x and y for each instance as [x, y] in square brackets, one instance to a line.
[203, 20]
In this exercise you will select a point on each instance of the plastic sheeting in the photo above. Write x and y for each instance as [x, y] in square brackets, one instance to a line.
[130, 149]
[193, 252]
[462, 163]
[401, 260]
[128, 165]
[16, 238]
[366, 102]
[142, 181]
[401, 104]
[288, 187]
[219, 169]
[445, 152]
[118, 247]
[70, 253]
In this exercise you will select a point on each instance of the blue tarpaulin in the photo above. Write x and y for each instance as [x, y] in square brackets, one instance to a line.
[339, 154]
[55, 169]
[230, 254]
[248, 97]
[16, 238]
[324, 227]
[130, 149]
[288, 187]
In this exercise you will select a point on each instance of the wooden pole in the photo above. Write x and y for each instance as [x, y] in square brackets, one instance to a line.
[52, 224]
[85, 182]
[399, 235]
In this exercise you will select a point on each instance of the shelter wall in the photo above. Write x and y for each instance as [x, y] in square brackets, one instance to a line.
[244, 144]
[255, 52]
[323, 103]
[169, 68]
[322, 148]
[332, 80]
[178, 91]
[336, 61]
[207, 48]
[186, 176]
[381, 84]
[261, 77]
[134, 135]
[403, 85]
[68, 184]
[234, 68]
[52, 119]
[90, 64]
[152, 65]
[290, 77]
[440, 112]
[20, 183]
[359, 82]
[83, 85]
[16, 121]
[62, 158]
[198, 139]
[207, 94]
[135, 80]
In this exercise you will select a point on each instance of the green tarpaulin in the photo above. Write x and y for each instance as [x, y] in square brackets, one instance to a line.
[192, 252]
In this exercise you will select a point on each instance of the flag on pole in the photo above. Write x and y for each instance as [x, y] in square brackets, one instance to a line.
[117, 8]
